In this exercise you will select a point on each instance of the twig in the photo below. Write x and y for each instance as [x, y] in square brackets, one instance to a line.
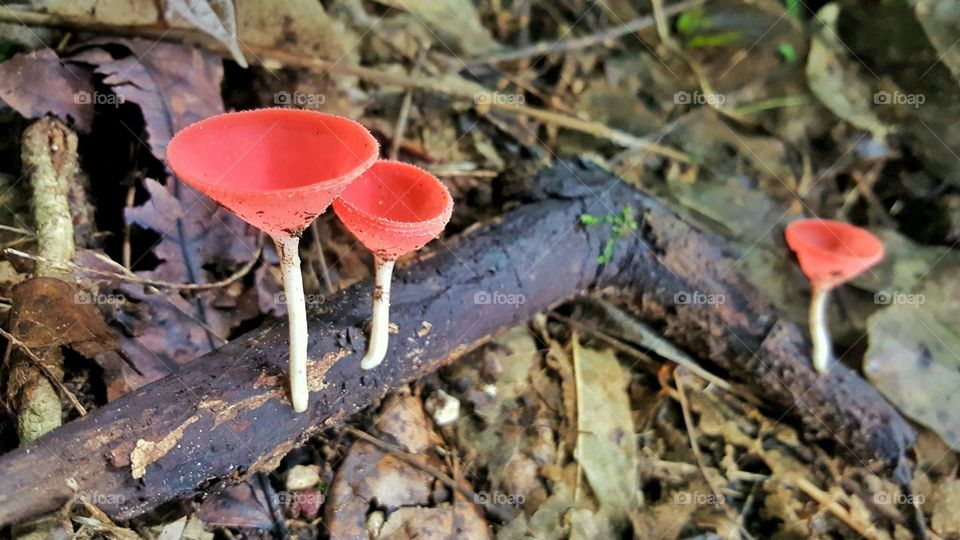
[401, 124]
[321, 258]
[577, 381]
[127, 257]
[698, 454]
[542, 48]
[833, 507]
[495, 511]
[627, 349]
[38, 363]
[130, 278]
[663, 29]
[694, 443]
[449, 172]
[18, 230]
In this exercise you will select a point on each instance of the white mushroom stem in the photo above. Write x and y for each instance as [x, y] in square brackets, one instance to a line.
[379, 329]
[288, 248]
[819, 329]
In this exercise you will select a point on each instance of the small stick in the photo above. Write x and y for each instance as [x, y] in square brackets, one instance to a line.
[721, 501]
[542, 48]
[401, 125]
[833, 507]
[684, 361]
[18, 230]
[288, 248]
[321, 259]
[129, 278]
[126, 256]
[694, 442]
[38, 363]
[380, 326]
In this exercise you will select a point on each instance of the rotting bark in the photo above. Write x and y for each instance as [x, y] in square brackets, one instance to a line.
[227, 414]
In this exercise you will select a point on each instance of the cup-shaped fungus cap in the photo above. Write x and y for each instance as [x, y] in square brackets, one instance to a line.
[394, 208]
[832, 252]
[277, 169]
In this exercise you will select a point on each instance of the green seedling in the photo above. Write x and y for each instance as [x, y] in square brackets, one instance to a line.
[787, 51]
[620, 225]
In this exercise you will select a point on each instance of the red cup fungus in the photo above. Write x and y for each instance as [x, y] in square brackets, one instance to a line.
[830, 253]
[277, 169]
[393, 209]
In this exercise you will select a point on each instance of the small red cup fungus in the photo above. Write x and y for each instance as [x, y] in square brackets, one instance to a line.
[393, 209]
[830, 253]
[277, 169]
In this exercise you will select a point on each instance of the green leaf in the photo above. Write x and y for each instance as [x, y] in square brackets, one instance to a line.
[587, 219]
[793, 8]
[787, 52]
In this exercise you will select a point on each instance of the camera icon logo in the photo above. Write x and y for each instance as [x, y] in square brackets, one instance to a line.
[282, 98]
[482, 298]
[883, 298]
[82, 98]
[882, 98]
[681, 98]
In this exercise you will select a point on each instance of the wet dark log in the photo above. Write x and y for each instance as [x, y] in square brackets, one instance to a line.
[227, 414]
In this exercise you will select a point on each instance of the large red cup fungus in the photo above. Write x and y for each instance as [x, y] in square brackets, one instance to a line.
[393, 209]
[278, 169]
[830, 253]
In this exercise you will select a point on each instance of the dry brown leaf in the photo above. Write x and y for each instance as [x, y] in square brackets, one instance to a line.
[462, 520]
[243, 505]
[217, 18]
[945, 520]
[455, 24]
[298, 26]
[48, 312]
[37, 83]
[606, 446]
[369, 475]
[174, 85]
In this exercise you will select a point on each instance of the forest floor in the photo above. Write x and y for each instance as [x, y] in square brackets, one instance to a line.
[742, 116]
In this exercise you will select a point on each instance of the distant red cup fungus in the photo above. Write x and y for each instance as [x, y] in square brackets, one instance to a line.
[393, 209]
[830, 253]
[277, 169]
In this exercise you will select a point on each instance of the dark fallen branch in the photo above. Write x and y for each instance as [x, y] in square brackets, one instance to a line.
[227, 415]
